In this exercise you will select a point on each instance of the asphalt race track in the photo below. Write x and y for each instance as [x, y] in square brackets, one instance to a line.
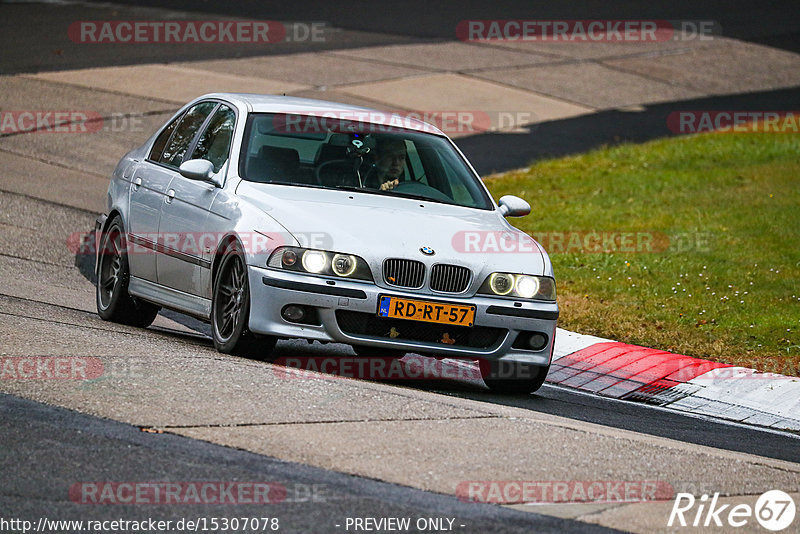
[167, 408]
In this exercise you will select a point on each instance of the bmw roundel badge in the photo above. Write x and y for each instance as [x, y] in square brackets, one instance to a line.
[428, 251]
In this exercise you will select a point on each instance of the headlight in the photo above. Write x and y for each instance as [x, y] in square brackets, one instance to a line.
[527, 286]
[320, 262]
[501, 283]
[314, 261]
[289, 258]
[523, 286]
[344, 264]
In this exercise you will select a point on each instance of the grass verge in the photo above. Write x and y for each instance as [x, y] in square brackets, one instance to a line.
[687, 244]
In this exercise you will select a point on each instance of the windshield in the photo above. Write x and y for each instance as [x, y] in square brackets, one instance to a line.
[314, 151]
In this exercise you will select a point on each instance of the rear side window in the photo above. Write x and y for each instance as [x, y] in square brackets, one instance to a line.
[184, 132]
[161, 142]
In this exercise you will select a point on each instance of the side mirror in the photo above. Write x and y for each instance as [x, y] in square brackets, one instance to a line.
[511, 206]
[198, 169]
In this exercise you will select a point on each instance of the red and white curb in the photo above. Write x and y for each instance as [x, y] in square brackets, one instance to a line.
[618, 370]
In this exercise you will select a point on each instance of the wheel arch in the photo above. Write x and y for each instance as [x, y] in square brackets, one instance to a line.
[221, 246]
[113, 214]
[98, 236]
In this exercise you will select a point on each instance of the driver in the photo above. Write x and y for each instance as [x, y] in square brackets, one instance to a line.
[390, 161]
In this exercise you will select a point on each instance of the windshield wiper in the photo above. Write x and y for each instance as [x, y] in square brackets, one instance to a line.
[388, 192]
[354, 188]
[408, 195]
[420, 197]
[370, 191]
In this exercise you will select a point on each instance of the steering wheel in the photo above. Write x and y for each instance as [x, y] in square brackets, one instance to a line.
[345, 165]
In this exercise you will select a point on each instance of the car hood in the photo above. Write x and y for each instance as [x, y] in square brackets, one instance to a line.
[377, 227]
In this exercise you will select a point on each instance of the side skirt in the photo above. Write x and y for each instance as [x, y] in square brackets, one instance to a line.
[170, 298]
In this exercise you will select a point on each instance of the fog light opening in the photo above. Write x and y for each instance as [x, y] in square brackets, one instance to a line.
[534, 341]
[294, 313]
[537, 341]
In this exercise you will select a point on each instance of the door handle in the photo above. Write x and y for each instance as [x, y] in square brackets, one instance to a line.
[170, 196]
[137, 183]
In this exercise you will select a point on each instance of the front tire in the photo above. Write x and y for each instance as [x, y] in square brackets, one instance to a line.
[114, 303]
[513, 378]
[230, 309]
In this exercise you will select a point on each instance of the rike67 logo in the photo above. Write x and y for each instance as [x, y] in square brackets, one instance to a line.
[774, 510]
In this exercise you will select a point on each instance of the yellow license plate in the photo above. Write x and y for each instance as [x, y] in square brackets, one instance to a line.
[428, 312]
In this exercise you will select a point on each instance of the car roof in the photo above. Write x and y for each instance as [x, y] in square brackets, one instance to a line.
[257, 103]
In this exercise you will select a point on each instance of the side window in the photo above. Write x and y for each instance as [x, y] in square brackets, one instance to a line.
[161, 141]
[185, 132]
[214, 144]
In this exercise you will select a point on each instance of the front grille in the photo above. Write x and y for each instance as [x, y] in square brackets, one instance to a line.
[404, 273]
[367, 324]
[450, 278]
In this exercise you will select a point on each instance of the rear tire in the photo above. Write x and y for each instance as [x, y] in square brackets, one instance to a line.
[114, 303]
[230, 309]
[513, 378]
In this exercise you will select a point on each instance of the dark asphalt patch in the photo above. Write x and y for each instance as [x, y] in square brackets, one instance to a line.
[45, 450]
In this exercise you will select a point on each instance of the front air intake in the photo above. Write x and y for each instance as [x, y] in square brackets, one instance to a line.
[404, 273]
[450, 278]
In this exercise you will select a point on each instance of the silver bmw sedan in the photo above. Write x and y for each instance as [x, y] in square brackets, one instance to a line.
[277, 217]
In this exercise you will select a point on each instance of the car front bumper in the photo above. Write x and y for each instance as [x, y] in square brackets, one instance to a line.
[347, 313]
